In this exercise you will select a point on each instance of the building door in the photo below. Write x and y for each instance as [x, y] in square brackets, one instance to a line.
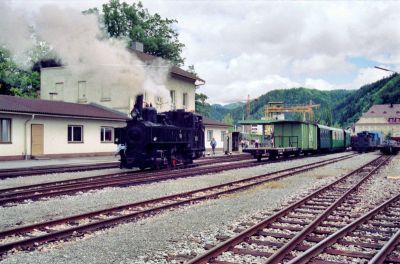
[37, 139]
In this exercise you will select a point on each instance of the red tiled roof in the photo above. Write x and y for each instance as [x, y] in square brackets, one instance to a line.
[175, 71]
[385, 111]
[57, 108]
[211, 122]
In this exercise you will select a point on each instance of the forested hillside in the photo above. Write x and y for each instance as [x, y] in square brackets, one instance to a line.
[338, 107]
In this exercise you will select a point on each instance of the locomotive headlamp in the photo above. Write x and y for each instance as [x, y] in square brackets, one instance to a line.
[155, 139]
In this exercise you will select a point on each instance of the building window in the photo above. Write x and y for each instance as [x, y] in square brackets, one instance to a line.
[209, 135]
[223, 135]
[5, 130]
[185, 100]
[75, 133]
[59, 91]
[82, 90]
[106, 134]
[172, 94]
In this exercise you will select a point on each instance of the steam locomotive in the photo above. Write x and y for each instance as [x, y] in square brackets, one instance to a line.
[154, 140]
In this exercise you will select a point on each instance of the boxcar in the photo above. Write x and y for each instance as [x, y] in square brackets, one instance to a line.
[295, 134]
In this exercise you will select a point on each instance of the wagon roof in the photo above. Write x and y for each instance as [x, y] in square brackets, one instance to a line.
[330, 128]
[267, 122]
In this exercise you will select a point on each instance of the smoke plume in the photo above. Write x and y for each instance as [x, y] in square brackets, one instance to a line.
[82, 47]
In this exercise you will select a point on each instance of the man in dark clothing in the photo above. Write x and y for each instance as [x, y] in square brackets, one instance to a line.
[213, 144]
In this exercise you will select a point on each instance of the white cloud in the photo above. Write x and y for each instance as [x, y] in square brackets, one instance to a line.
[238, 47]
[318, 84]
[366, 76]
[238, 90]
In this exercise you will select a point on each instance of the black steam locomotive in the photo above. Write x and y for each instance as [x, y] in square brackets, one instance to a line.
[154, 140]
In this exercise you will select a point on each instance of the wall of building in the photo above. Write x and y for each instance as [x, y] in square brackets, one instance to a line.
[378, 124]
[55, 136]
[217, 134]
[55, 82]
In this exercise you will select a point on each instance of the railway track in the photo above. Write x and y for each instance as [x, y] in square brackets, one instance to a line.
[40, 170]
[52, 189]
[285, 234]
[371, 238]
[30, 236]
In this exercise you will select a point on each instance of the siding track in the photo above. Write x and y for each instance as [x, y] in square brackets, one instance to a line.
[10, 196]
[282, 236]
[27, 237]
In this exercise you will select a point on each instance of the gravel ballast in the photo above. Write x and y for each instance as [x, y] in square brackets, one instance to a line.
[55, 207]
[182, 233]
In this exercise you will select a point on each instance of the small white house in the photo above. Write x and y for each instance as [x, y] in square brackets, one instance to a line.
[215, 129]
[35, 128]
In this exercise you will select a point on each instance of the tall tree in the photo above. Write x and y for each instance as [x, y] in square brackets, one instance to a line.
[17, 81]
[201, 106]
[134, 22]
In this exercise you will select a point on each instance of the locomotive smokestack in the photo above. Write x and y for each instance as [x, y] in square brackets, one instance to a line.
[138, 107]
[139, 102]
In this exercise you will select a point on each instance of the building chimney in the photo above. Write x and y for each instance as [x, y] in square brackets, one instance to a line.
[137, 46]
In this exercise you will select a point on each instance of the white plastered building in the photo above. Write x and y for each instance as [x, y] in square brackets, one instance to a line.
[60, 83]
[42, 128]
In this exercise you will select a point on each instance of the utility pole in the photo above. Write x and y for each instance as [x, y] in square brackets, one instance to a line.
[384, 69]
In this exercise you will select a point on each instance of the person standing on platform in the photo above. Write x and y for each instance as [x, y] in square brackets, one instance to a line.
[213, 144]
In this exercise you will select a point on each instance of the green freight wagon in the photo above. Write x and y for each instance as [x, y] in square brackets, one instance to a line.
[295, 134]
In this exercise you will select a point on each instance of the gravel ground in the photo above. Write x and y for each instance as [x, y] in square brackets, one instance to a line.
[52, 177]
[109, 197]
[177, 234]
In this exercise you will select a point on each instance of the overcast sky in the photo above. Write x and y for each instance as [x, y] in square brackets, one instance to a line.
[252, 47]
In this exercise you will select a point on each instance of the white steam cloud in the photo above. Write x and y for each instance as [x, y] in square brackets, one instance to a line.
[83, 48]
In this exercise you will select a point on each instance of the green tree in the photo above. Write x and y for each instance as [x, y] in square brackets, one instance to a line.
[229, 120]
[159, 38]
[201, 106]
[16, 81]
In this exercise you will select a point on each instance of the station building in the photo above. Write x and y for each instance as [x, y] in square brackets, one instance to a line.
[384, 118]
[63, 84]
[217, 130]
[76, 115]
[31, 128]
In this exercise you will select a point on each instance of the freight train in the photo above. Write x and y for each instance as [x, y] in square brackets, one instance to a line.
[296, 137]
[154, 140]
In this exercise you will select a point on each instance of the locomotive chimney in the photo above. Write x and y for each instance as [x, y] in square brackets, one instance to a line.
[138, 107]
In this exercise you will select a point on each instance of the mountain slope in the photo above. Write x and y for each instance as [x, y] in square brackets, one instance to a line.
[340, 107]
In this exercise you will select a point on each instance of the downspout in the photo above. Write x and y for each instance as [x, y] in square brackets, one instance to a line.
[25, 141]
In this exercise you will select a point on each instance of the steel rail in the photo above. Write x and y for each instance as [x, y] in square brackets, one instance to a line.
[280, 254]
[382, 254]
[119, 180]
[92, 178]
[40, 170]
[177, 200]
[325, 243]
[226, 245]
[78, 186]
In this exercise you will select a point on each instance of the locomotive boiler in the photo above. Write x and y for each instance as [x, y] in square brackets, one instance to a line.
[154, 140]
